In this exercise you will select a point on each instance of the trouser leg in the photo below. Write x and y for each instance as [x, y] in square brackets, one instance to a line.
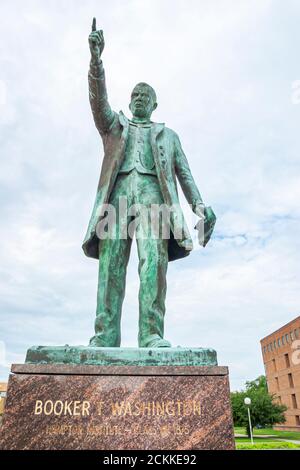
[153, 263]
[113, 260]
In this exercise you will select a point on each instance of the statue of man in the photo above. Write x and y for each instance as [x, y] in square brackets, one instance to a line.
[141, 162]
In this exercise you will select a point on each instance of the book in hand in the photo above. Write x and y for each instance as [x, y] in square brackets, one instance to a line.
[206, 227]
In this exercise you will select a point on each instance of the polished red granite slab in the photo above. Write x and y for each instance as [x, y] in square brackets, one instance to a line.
[109, 408]
[79, 369]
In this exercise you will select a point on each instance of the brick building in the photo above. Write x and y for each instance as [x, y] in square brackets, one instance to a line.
[281, 356]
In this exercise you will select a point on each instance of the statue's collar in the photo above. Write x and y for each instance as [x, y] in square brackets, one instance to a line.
[156, 127]
[140, 124]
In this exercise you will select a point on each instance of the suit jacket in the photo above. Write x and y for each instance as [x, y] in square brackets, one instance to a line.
[170, 162]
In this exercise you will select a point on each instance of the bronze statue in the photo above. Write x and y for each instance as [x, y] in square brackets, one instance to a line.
[141, 162]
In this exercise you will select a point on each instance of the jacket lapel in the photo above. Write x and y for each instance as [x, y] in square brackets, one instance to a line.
[118, 156]
[124, 123]
[156, 129]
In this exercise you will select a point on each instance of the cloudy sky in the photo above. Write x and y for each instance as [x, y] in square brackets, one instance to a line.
[225, 73]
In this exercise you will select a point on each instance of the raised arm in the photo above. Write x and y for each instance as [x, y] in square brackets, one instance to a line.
[102, 112]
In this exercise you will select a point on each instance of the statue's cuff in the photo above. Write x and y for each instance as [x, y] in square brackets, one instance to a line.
[198, 205]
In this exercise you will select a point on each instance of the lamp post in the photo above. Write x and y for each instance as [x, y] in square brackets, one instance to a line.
[247, 402]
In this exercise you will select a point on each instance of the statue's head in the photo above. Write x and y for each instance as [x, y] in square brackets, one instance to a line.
[143, 101]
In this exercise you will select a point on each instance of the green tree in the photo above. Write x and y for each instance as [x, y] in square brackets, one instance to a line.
[258, 384]
[264, 410]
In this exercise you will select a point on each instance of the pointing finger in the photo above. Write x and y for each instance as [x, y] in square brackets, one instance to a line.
[94, 24]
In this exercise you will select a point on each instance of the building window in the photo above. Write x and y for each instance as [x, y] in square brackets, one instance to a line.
[282, 340]
[277, 384]
[278, 342]
[294, 401]
[279, 399]
[287, 361]
[296, 333]
[291, 382]
[292, 335]
[287, 338]
[297, 420]
[274, 344]
[271, 346]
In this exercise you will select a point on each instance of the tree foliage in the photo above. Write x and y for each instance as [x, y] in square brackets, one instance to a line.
[264, 409]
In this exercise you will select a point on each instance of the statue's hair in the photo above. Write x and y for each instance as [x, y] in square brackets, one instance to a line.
[153, 94]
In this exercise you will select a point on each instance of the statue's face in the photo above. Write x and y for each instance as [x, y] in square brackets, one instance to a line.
[142, 103]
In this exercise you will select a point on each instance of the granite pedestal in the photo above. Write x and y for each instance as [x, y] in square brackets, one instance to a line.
[118, 407]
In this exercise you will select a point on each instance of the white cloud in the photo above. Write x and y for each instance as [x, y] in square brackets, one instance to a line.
[3, 94]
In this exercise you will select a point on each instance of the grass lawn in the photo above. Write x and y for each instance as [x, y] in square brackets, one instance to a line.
[264, 443]
[269, 431]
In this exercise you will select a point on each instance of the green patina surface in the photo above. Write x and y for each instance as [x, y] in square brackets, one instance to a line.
[121, 356]
[142, 163]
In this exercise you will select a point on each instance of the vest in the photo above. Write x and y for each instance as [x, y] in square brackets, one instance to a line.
[138, 151]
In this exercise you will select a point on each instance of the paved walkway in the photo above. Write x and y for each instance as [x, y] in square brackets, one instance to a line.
[288, 440]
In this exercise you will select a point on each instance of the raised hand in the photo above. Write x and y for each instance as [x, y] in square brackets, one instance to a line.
[96, 42]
